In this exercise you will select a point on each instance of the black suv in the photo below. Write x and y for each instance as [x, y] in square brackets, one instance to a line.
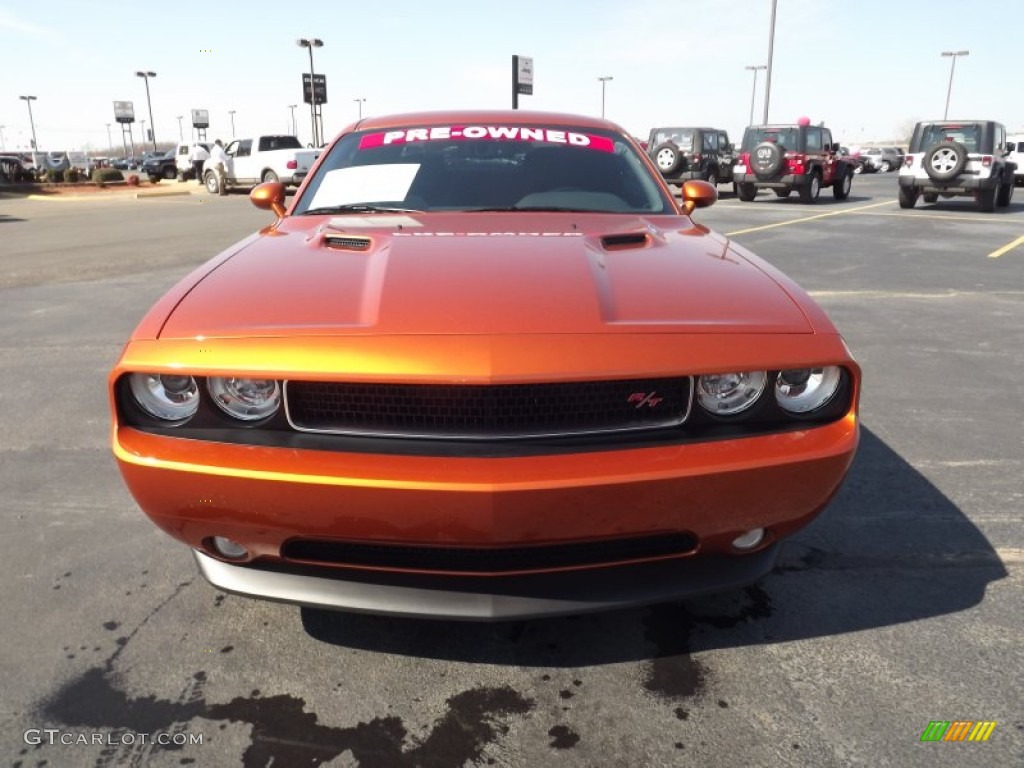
[162, 166]
[692, 153]
[958, 157]
[787, 157]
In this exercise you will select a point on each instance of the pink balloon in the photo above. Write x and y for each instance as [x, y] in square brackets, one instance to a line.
[804, 121]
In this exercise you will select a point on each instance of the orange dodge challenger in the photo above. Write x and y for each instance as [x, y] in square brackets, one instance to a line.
[484, 366]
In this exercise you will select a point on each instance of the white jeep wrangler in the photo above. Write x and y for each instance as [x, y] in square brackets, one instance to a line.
[958, 157]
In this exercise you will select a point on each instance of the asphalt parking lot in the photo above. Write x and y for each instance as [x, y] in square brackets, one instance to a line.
[900, 606]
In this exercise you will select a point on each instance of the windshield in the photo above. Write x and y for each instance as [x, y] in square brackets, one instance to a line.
[484, 167]
[788, 138]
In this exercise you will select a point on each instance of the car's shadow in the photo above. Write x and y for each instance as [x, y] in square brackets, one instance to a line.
[890, 549]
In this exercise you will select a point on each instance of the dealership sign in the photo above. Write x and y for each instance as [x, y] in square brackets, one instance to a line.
[124, 112]
[200, 118]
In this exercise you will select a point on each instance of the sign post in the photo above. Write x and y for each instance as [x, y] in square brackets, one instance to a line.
[314, 93]
[124, 114]
[522, 78]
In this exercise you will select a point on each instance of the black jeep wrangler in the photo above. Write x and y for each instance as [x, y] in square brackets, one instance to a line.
[692, 153]
[787, 157]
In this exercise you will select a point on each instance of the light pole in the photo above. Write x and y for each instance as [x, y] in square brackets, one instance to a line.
[3, 145]
[952, 69]
[31, 121]
[110, 142]
[232, 113]
[152, 126]
[360, 103]
[768, 74]
[181, 135]
[604, 81]
[311, 43]
[295, 128]
[753, 93]
[142, 122]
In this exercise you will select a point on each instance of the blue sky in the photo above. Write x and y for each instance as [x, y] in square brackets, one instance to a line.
[868, 68]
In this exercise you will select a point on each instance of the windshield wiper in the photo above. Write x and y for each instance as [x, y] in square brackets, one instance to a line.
[357, 208]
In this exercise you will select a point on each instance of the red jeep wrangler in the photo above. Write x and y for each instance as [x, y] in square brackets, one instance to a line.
[787, 157]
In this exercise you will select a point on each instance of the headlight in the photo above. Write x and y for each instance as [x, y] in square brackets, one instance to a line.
[169, 397]
[802, 390]
[245, 399]
[725, 394]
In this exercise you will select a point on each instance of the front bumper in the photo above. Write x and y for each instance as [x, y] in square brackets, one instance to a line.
[485, 599]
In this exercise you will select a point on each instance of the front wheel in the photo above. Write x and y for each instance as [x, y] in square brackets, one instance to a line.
[1005, 195]
[712, 179]
[212, 183]
[746, 192]
[884, 167]
[168, 173]
[907, 197]
[841, 187]
[269, 175]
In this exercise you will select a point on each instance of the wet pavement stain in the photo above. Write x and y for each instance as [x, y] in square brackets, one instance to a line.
[673, 673]
[563, 737]
[284, 733]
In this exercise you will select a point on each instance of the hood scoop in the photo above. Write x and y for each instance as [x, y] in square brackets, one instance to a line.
[347, 242]
[626, 241]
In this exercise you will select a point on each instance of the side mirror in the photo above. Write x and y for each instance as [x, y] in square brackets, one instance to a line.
[269, 196]
[697, 194]
[835, 147]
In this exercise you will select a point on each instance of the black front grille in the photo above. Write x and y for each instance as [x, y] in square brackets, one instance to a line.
[491, 411]
[493, 560]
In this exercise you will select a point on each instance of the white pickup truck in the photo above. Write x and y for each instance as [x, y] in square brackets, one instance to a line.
[252, 161]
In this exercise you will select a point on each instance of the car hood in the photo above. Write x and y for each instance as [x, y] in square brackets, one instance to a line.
[505, 273]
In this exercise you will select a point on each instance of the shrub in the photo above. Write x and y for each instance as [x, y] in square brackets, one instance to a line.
[132, 180]
[54, 176]
[105, 175]
[71, 176]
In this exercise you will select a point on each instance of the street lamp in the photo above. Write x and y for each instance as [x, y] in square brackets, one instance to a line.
[603, 80]
[753, 93]
[952, 68]
[110, 142]
[143, 124]
[295, 128]
[152, 126]
[768, 74]
[311, 43]
[181, 135]
[232, 113]
[32, 122]
[360, 103]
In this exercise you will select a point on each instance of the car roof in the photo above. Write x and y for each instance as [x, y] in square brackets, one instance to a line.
[512, 116]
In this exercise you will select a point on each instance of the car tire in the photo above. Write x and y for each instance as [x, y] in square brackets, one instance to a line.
[810, 191]
[269, 175]
[1005, 195]
[841, 187]
[746, 192]
[168, 173]
[783, 193]
[986, 199]
[212, 183]
[858, 168]
[712, 178]
[907, 197]
[667, 158]
[945, 161]
[884, 167]
[153, 178]
[930, 197]
[766, 160]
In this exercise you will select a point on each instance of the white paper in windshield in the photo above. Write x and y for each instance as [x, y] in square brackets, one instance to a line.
[365, 184]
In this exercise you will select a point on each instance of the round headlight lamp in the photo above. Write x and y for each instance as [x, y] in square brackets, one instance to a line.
[726, 394]
[245, 399]
[802, 390]
[172, 398]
